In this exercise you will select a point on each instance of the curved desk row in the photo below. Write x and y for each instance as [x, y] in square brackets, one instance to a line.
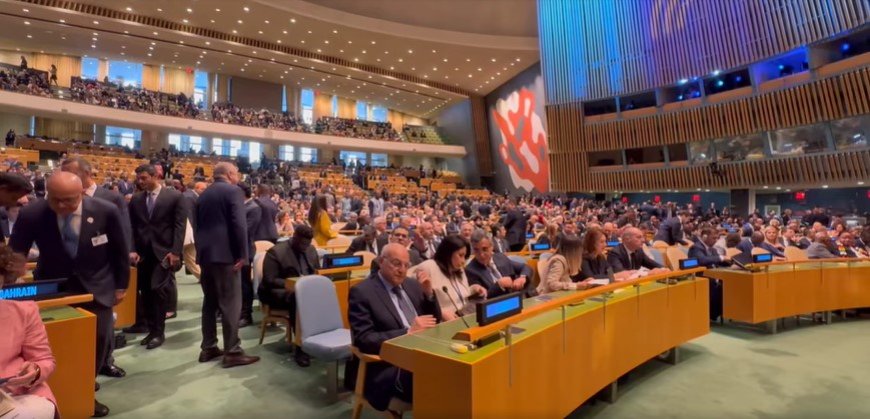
[570, 345]
[791, 288]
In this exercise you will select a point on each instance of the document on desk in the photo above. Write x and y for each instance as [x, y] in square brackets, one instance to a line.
[599, 282]
[640, 273]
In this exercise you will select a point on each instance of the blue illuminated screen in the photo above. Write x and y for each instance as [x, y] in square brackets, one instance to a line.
[540, 246]
[29, 291]
[341, 262]
[613, 243]
[766, 257]
[688, 263]
[503, 306]
[530, 235]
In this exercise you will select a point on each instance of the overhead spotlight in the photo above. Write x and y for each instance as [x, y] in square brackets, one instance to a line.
[720, 83]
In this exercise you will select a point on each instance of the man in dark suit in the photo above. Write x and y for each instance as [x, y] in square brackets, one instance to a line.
[499, 244]
[382, 307]
[365, 242]
[495, 272]
[288, 259]
[383, 239]
[124, 186]
[515, 224]
[81, 239]
[252, 219]
[82, 168]
[425, 242]
[629, 256]
[159, 219]
[671, 230]
[221, 239]
[191, 195]
[709, 257]
[266, 229]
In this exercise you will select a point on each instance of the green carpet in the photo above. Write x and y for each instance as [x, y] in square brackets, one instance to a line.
[807, 372]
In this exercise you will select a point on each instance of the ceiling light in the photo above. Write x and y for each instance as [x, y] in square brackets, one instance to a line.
[26, 22]
[493, 60]
[149, 54]
[96, 22]
[207, 43]
[217, 10]
[260, 32]
[93, 39]
[30, 36]
[292, 20]
[93, 46]
[279, 41]
[185, 20]
[302, 41]
[25, 10]
[356, 59]
[62, 21]
[155, 33]
[434, 51]
[211, 20]
[246, 9]
[319, 50]
[401, 60]
[468, 60]
[410, 51]
[159, 9]
[189, 10]
[235, 31]
[824, 186]
[129, 9]
[240, 21]
[860, 182]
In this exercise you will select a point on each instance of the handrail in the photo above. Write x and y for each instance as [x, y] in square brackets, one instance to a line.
[478, 332]
[787, 262]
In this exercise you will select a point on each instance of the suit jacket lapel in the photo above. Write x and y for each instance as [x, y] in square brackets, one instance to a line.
[385, 298]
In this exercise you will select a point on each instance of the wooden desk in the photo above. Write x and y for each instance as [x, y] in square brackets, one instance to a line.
[72, 336]
[791, 288]
[559, 360]
[126, 311]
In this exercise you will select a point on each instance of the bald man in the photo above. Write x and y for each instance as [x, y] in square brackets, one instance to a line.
[80, 239]
[384, 306]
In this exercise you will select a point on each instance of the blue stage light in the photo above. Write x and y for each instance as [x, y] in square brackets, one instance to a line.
[720, 83]
[683, 81]
[845, 46]
[680, 97]
[781, 67]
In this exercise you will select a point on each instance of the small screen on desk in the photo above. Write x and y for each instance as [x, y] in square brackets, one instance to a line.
[762, 258]
[689, 263]
[530, 235]
[499, 308]
[540, 246]
[39, 290]
[613, 243]
[342, 261]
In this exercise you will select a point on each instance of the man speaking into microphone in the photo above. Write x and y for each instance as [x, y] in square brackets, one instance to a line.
[384, 306]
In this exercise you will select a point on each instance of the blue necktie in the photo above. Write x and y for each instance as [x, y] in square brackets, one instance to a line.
[149, 202]
[407, 310]
[70, 238]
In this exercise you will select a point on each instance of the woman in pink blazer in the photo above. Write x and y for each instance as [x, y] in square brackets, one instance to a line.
[25, 355]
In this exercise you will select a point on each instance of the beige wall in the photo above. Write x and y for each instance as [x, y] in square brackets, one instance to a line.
[346, 108]
[151, 77]
[67, 66]
[62, 129]
[322, 105]
[20, 123]
[177, 81]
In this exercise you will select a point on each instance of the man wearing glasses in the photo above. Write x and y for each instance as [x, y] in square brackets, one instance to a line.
[384, 306]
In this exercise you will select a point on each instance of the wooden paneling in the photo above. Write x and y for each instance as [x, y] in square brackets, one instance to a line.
[481, 135]
[828, 99]
[594, 49]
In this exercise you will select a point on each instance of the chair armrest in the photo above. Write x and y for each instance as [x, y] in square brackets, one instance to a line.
[363, 356]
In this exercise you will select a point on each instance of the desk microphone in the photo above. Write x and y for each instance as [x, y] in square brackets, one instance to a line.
[458, 311]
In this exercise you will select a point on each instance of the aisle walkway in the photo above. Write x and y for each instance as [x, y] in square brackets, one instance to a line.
[810, 372]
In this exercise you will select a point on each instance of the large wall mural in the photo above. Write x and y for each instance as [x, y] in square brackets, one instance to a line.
[518, 133]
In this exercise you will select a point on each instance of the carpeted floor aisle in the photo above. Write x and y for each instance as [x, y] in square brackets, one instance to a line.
[806, 372]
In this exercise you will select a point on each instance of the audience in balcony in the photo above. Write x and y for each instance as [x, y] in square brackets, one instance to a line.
[341, 127]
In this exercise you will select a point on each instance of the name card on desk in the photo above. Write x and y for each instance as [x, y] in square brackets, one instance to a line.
[39, 290]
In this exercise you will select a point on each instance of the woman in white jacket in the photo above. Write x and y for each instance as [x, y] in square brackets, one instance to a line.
[447, 272]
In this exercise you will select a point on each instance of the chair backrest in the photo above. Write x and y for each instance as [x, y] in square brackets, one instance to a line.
[368, 257]
[675, 255]
[258, 269]
[660, 244]
[341, 243]
[263, 245]
[795, 253]
[517, 258]
[317, 304]
[759, 251]
[732, 251]
[656, 255]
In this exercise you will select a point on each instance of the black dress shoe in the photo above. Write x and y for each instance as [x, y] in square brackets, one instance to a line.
[210, 354]
[302, 359]
[136, 329]
[155, 342]
[237, 360]
[112, 371]
[245, 322]
[100, 410]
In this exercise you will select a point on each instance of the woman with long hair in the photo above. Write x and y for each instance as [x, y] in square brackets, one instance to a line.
[595, 259]
[318, 219]
[284, 223]
[446, 270]
[562, 271]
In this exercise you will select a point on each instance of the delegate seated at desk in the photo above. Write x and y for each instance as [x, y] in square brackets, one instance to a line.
[709, 257]
[820, 249]
[562, 270]
[447, 271]
[630, 256]
[288, 259]
[386, 305]
[595, 263]
[495, 271]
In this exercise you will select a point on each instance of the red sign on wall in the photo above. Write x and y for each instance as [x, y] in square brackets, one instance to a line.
[696, 198]
[800, 196]
[657, 199]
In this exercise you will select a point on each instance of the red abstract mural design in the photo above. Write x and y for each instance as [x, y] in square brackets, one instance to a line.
[523, 147]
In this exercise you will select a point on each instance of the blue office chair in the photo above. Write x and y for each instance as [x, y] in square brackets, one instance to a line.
[322, 331]
[657, 256]
[517, 258]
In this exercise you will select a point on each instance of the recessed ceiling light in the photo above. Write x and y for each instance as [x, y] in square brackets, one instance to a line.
[189, 10]
[217, 10]
[260, 32]
[155, 33]
[207, 43]
[325, 41]
[235, 31]
[159, 9]
[149, 54]
[292, 20]
[185, 20]
[211, 20]
[93, 39]
[30, 36]
[468, 60]
[25, 10]
[302, 41]
[401, 60]
[129, 9]
[26, 22]
[96, 22]
[246, 9]
[62, 21]
[240, 21]
[279, 41]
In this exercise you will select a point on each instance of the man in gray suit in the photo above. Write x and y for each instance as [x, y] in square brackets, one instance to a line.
[221, 239]
[820, 247]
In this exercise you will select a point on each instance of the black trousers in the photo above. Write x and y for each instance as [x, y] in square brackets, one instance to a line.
[247, 292]
[154, 282]
[105, 333]
[715, 299]
[221, 288]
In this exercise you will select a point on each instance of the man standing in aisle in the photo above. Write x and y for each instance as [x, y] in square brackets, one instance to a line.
[266, 228]
[222, 250]
[191, 195]
[82, 239]
[252, 220]
[159, 218]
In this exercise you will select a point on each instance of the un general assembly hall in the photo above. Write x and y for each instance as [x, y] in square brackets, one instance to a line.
[481, 209]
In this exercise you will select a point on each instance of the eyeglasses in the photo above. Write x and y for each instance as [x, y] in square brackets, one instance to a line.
[399, 235]
[396, 263]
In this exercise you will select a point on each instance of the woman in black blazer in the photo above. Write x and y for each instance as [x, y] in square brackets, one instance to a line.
[594, 260]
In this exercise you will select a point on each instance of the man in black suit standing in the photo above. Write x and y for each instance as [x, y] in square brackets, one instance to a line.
[515, 223]
[495, 272]
[386, 305]
[266, 228]
[499, 244]
[159, 219]
[671, 230]
[81, 239]
[82, 168]
[629, 256]
[709, 257]
[252, 219]
[288, 259]
[221, 250]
